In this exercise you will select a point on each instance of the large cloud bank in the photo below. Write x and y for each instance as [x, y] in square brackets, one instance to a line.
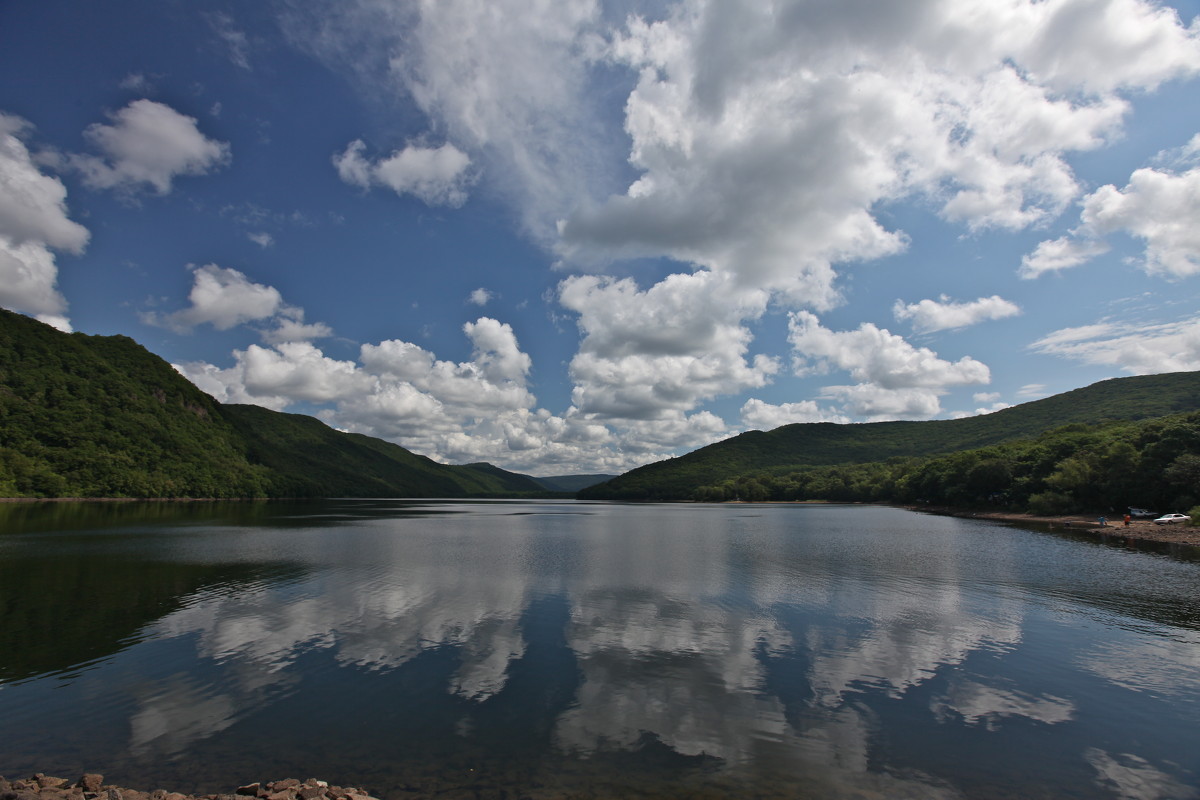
[751, 144]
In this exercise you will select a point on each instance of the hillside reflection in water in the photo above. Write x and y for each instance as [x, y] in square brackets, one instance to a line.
[550, 647]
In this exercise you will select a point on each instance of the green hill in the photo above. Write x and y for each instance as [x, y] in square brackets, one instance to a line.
[823, 444]
[307, 458]
[100, 416]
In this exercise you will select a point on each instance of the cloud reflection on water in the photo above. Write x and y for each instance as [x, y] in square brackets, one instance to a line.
[665, 636]
[743, 638]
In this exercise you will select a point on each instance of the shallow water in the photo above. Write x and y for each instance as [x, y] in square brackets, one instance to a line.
[570, 649]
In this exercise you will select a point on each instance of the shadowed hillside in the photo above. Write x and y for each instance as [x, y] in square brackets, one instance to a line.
[100, 416]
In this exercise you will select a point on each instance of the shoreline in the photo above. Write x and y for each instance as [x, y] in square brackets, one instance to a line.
[92, 787]
[1142, 530]
[139, 499]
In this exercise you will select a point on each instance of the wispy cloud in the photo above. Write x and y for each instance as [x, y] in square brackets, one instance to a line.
[1139, 349]
[439, 176]
[233, 39]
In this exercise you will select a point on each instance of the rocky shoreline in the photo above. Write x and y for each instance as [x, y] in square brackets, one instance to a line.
[1140, 530]
[92, 787]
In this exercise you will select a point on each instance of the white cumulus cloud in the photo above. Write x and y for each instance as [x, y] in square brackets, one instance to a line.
[767, 416]
[147, 143]
[27, 282]
[438, 176]
[760, 143]
[945, 314]
[1158, 207]
[225, 298]
[876, 403]
[33, 206]
[298, 371]
[1062, 253]
[457, 412]
[895, 379]
[290, 327]
[33, 222]
[220, 297]
[765, 136]
[874, 355]
[664, 349]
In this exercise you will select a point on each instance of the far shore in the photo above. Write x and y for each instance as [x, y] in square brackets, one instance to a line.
[1143, 530]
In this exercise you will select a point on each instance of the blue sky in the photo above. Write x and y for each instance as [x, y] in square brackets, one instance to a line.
[582, 236]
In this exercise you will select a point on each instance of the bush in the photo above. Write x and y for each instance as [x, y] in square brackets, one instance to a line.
[1195, 515]
[1051, 503]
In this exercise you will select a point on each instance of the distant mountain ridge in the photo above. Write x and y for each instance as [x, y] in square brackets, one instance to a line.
[572, 483]
[100, 416]
[559, 484]
[826, 443]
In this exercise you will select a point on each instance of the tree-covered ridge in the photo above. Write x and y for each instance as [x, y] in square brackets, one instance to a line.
[1106, 467]
[307, 458]
[100, 416]
[793, 447]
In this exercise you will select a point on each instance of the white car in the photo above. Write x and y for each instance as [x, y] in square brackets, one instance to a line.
[1167, 519]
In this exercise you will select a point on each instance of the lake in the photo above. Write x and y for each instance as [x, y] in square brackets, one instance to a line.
[550, 649]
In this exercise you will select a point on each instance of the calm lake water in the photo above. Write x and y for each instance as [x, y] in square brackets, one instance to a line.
[569, 649]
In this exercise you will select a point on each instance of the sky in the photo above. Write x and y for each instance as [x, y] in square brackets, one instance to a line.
[576, 236]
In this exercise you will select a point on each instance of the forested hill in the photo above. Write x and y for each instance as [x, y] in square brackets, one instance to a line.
[100, 416]
[823, 444]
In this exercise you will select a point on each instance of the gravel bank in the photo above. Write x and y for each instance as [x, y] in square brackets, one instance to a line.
[93, 787]
[1143, 530]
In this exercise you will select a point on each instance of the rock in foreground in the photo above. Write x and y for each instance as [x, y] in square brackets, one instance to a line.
[93, 787]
